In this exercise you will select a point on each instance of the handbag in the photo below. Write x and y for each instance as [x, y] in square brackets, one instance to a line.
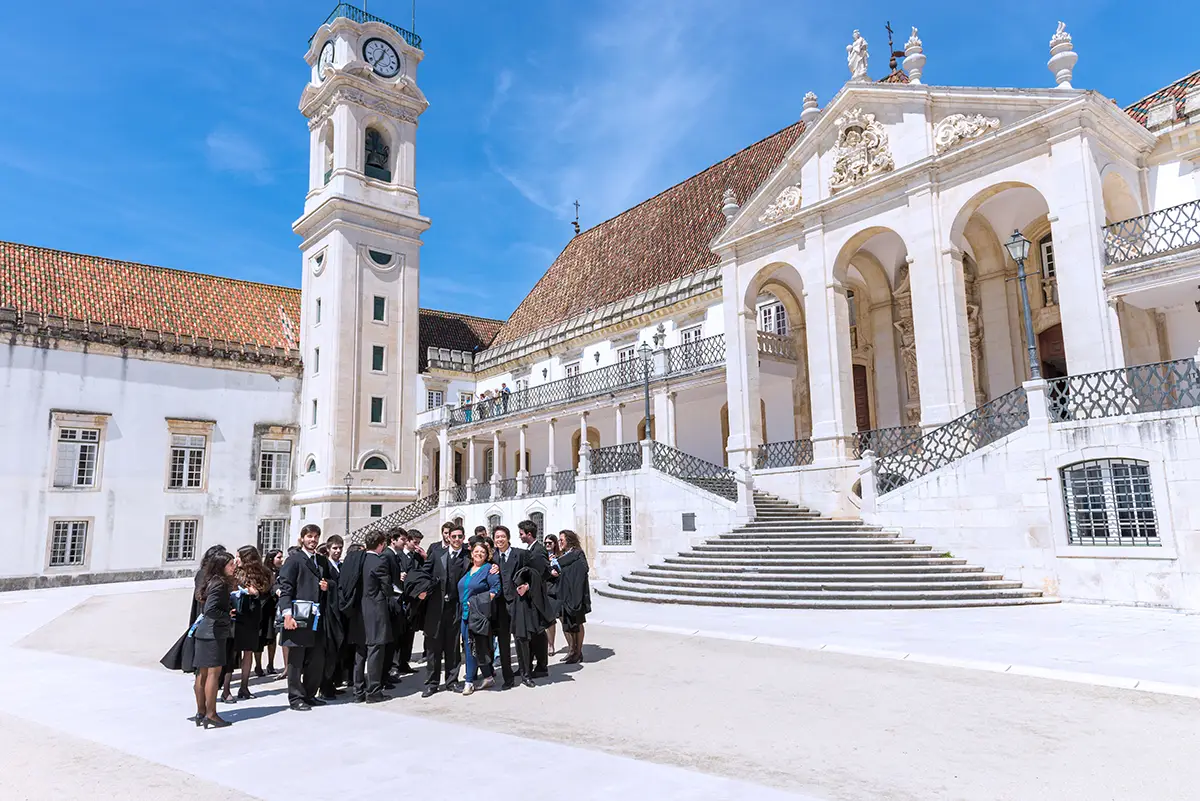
[307, 614]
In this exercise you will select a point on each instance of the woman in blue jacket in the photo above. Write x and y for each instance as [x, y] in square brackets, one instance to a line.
[478, 588]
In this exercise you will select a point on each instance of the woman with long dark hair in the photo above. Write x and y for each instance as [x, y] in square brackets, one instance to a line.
[212, 636]
[574, 593]
[208, 555]
[268, 633]
[552, 552]
[254, 584]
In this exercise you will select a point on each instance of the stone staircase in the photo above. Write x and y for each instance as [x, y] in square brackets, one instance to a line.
[792, 558]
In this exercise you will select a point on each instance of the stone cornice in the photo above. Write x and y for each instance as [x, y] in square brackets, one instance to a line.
[39, 330]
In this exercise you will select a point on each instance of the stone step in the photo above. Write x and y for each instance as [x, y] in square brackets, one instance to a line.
[856, 593]
[905, 568]
[822, 602]
[819, 560]
[801, 540]
[840, 546]
[817, 522]
[830, 552]
[800, 536]
[816, 577]
[877, 584]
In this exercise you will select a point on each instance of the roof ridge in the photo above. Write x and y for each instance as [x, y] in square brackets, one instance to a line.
[463, 314]
[1178, 80]
[150, 266]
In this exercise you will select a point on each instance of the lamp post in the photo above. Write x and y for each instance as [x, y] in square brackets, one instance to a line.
[1018, 249]
[348, 480]
[646, 353]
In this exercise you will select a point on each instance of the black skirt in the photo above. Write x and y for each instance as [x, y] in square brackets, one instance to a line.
[247, 629]
[571, 623]
[211, 653]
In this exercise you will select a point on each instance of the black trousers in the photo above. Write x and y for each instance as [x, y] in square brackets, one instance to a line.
[368, 670]
[524, 658]
[333, 665]
[404, 649]
[445, 651]
[305, 670]
[540, 646]
[393, 656]
[503, 631]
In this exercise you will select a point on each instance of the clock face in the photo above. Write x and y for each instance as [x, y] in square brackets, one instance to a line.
[326, 60]
[382, 57]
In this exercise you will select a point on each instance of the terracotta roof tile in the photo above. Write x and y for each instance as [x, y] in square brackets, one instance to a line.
[463, 332]
[99, 290]
[1177, 90]
[895, 76]
[656, 241]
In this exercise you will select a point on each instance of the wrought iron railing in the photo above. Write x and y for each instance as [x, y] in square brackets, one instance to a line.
[1153, 234]
[883, 440]
[780, 347]
[537, 484]
[954, 440]
[1130, 390]
[784, 454]
[564, 482]
[398, 518]
[355, 14]
[483, 492]
[458, 494]
[707, 476]
[699, 355]
[508, 488]
[616, 458]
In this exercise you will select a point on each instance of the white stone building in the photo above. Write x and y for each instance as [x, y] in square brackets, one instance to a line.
[831, 315]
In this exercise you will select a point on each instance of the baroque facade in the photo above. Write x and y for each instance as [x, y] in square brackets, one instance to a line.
[831, 315]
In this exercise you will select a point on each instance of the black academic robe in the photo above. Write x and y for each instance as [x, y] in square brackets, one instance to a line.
[531, 614]
[396, 567]
[508, 569]
[350, 597]
[300, 580]
[376, 600]
[438, 579]
[574, 591]
[337, 621]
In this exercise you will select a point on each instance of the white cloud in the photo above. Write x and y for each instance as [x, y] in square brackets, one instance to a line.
[647, 75]
[231, 151]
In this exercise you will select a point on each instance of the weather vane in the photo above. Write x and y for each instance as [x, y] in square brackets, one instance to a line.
[892, 47]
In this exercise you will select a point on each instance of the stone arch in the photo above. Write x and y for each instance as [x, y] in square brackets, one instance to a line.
[1120, 202]
[593, 435]
[783, 282]
[378, 158]
[327, 142]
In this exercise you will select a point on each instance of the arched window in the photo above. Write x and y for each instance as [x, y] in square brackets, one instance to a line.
[375, 463]
[1109, 502]
[539, 520]
[493, 521]
[310, 466]
[327, 151]
[489, 464]
[376, 156]
[618, 520]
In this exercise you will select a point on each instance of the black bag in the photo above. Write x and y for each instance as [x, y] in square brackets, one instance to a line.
[479, 615]
[181, 655]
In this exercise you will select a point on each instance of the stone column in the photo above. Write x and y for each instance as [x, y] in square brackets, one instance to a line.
[446, 465]
[620, 438]
[660, 413]
[471, 480]
[585, 450]
[550, 467]
[828, 326]
[497, 465]
[670, 434]
[741, 372]
[523, 467]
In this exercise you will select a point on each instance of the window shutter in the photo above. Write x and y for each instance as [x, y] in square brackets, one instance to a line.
[64, 466]
[283, 471]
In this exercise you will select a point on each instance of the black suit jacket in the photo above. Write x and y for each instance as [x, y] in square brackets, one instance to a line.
[300, 580]
[376, 599]
[508, 569]
[439, 580]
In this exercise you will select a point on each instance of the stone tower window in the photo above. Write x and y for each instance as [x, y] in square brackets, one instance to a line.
[376, 154]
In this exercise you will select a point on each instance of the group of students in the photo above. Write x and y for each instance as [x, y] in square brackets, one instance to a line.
[352, 621]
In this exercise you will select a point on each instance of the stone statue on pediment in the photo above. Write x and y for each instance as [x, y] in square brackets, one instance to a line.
[856, 58]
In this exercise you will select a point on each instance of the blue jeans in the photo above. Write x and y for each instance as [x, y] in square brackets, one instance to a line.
[475, 645]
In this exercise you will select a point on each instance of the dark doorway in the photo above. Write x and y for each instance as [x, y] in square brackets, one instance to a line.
[862, 398]
[1052, 352]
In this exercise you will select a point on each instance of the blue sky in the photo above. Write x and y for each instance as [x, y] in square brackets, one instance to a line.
[168, 133]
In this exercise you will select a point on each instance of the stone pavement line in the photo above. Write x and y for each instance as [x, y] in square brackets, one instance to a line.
[1033, 671]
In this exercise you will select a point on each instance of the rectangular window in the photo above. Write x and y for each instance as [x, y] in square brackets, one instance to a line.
[521, 384]
[376, 410]
[1109, 502]
[379, 310]
[377, 510]
[571, 370]
[317, 312]
[314, 413]
[1048, 269]
[181, 539]
[78, 450]
[465, 398]
[435, 398]
[187, 461]
[271, 533]
[618, 522]
[377, 358]
[275, 464]
[316, 360]
[68, 543]
[626, 354]
[688, 336]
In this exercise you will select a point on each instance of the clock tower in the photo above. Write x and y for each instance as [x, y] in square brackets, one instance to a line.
[361, 238]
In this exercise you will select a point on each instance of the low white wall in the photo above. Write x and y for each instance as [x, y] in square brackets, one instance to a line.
[824, 489]
[1002, 507]
[658, 503]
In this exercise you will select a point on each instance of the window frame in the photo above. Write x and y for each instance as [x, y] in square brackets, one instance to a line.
[181, 519]
[316, 311]
[381, 352]
[616, 519]
[316, 366]
[1079, 482]
[283, 533]
[86, 556]
[189, 428]
[375, 303]
[381, 458]
[375, 511]
[312, 422]
[61, 421]
[691, 334]
[264, 452]
[371, 404]
[440, 396]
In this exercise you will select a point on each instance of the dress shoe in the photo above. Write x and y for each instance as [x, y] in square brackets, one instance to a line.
[244, 695]
[258, 671]
[300, 706]
[487, 683]
[359, 699]
[316, 702]
[326, 696]
[540, 673]
[406, 670]
[389, 685]
[527, 683]
[216, 723]
[378, 699]
[227, 699]
[429, 690]
[508, 685]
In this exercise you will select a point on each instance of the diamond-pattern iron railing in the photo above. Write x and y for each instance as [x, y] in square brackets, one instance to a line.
[483, 492]
[355, 14]
[699, 355]
[707, 476]
[1130, 390]
[617, 458]
[883, 440]
[458, 494]
[404, 514]
[564, 482]
[508, 488]
[954, 440]
[784, 454]
[1153, 234]
[780, 347]
[537, 483]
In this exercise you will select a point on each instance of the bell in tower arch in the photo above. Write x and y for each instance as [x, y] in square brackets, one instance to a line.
[377, 156]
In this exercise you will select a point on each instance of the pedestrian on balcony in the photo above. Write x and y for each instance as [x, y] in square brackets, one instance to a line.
[504, 393]
[574, 593]
[552, 554]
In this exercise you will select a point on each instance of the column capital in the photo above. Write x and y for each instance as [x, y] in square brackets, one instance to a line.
[954, 252]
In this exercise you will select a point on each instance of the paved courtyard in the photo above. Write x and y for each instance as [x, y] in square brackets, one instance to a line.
[673, 703]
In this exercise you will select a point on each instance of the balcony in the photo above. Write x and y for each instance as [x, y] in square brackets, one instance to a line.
[354, 14]
[1157, 234]
[776, 346]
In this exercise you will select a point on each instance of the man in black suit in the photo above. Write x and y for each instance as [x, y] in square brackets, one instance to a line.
[336, 645]
[510, 560]
[304, 577]
[392, 555]
[377, 597]
[438, 588]
[538, 561]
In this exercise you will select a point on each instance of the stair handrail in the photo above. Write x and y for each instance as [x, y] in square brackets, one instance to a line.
[404, 514]
[948, 443]
[693, 470]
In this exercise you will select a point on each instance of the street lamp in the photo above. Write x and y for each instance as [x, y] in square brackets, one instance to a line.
[646, 353]
[1018, 249]
[348, 480]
